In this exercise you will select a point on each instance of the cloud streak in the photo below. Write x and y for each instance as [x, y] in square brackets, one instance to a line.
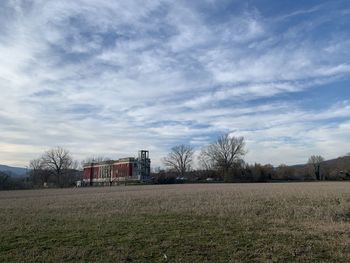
[109, 78]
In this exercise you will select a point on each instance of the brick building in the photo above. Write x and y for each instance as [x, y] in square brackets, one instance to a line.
[115, 171]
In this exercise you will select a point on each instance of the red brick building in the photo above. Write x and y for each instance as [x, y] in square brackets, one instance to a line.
[112, 172]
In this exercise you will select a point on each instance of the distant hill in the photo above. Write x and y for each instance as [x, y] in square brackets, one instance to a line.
[337, 162]
[13, 171]
[333, 169]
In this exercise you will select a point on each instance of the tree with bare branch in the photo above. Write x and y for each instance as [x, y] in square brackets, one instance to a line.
[39, 174]
[205, 162]
[58, 161]
[315, 162]
[225, 153]
[180, 159]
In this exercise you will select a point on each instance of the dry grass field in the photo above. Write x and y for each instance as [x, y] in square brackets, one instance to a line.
[284, 222]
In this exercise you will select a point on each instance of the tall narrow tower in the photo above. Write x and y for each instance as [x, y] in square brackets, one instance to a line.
[144, 165]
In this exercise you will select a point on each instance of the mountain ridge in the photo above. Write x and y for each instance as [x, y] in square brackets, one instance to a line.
[13, 170]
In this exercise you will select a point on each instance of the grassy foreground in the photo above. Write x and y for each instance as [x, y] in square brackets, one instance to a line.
[291, 222]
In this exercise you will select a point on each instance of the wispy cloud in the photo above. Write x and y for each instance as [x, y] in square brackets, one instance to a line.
[112, 77]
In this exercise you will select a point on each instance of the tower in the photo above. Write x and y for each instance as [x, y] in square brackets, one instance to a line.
[143, 165]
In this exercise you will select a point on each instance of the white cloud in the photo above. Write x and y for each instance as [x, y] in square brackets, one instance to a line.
[109, 78]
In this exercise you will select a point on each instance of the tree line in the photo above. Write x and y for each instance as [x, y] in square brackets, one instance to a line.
[54, 168]
[223, 160]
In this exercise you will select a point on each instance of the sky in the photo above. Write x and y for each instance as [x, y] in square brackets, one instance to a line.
[108, 78]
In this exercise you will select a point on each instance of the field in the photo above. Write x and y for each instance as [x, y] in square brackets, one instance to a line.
[284, 222]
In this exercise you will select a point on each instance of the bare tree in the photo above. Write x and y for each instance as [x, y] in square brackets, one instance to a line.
[36, 164]
[58, 161]
[40, 175]
[225, 153]
[285, 172]
[180, 159]
[205, 162]
[315, 162]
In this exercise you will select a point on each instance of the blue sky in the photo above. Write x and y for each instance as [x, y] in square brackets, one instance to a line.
[107, 78]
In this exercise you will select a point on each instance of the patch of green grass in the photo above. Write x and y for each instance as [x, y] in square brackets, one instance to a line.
[67, 231]
[182, 238]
